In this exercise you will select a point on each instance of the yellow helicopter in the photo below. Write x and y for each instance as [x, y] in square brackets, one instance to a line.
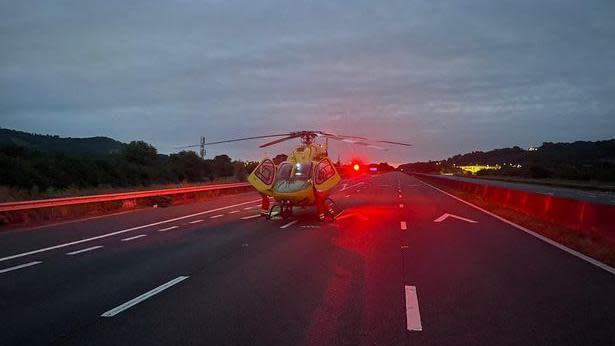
[305, 178]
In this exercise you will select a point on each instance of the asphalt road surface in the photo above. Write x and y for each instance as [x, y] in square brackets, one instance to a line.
[602, 197]
[393, 269]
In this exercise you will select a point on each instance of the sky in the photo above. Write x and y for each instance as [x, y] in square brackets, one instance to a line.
[447, 76]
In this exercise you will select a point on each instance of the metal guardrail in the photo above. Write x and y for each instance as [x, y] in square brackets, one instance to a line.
[58, 202]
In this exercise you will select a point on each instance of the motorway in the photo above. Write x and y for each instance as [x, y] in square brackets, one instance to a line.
[600, 197]
[393, 269]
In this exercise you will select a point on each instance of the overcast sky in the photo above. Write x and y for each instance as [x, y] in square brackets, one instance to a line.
[447, 76]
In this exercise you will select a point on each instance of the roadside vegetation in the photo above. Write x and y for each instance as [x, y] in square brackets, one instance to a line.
[564, 162]
[32, 174]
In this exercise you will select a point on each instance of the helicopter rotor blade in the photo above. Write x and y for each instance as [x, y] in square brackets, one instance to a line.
[234, 140]
[397, 143]
[247, 138]
[337, 136]
[279, 140]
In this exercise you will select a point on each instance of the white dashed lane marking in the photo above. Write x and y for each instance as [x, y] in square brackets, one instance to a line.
[142, 297]
[196, 221]
[403, 226]
[216, 216]
[25, 265]
[289, 224]
[84, 250]
[413, 316]
[28, 253]
[135, 237]
[250, 217]
[168, 228]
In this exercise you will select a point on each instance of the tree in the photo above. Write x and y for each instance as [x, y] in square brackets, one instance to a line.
[187, 165]
[140, 153]
[222, 166]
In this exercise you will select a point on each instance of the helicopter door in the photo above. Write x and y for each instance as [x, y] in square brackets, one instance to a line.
[263, 176]
[325, 175]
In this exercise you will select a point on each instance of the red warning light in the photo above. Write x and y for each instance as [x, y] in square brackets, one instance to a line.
[356, 167]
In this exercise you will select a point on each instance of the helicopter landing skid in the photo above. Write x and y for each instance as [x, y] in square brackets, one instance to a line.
[283, 209]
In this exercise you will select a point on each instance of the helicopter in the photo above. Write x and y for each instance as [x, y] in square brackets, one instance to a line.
[306, 178]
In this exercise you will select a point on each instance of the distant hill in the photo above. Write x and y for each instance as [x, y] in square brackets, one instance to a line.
[580, 160]
[92, 146]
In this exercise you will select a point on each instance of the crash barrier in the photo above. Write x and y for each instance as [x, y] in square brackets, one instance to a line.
[60, 208]
[581, 216]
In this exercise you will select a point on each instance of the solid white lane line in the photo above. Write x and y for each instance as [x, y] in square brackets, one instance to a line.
[532, 233]
[143, 297]
[25, 265]
[233, 212]
[135, 237]
[216, 216]
[403, 226]
[120, 232]
[196, 221]
[413, 316]
[289, 224]
[84, 250]
[167, 229]
[250, 217]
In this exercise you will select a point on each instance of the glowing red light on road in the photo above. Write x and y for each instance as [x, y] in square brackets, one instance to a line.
[356, 167]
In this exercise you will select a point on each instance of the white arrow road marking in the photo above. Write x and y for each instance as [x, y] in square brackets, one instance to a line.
[532, 233]
[25, 265]
[413, 316]
[447, 215]
[142, 297]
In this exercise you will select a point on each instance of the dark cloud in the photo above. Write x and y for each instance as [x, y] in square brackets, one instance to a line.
[449, 77]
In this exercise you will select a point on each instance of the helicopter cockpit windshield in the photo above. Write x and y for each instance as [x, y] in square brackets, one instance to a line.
[302, 171]
[293, 177]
